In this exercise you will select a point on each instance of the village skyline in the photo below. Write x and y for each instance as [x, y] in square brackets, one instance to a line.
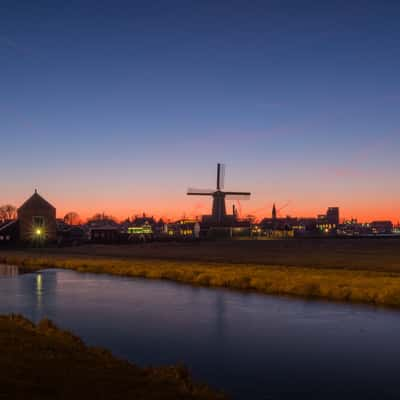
[203, 207]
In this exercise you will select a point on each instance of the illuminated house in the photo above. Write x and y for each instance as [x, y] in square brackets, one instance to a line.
[184, 228]
[324, 224]
[141, 228]
[328, 222]
[37, 220]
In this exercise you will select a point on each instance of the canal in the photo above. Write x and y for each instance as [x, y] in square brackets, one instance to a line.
[252, 346]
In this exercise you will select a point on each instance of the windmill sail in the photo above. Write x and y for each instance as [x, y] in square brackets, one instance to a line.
[219, 215]
[221, 176]
[200, 192]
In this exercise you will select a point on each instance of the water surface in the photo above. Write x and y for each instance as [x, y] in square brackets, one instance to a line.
[253, 346]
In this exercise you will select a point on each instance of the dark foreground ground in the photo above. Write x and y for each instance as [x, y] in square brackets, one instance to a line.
[43, 362]
[381, 254]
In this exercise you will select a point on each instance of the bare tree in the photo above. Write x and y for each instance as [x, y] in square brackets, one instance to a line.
[102, 219]
[8, 212]
[251, 218]
[72, 218]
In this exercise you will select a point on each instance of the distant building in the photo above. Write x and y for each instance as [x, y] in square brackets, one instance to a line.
[329, 222]
[70, 235]
[379, 227]
[274, 213]
[8, 232]
[280, 226]
[37, 220]
[352, 227]
[307, 225]
[143, 220]
[332, 216]
[104, 234]
[185, 228]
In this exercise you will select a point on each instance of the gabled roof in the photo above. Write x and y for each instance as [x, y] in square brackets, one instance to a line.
[37, 200]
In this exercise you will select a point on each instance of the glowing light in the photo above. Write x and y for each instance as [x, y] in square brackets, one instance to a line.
[39, 290]
[39, 283]
[38, 232]
[140, 230]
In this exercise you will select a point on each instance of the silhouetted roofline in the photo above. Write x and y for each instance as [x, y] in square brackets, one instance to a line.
[7, 224]
[37, 196]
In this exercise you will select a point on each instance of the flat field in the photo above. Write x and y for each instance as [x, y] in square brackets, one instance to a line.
[365, 254]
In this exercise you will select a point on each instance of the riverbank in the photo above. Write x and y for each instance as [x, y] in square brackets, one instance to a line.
[353, 285]
[44, 362]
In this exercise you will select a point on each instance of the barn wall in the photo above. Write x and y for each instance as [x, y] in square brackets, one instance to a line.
[37, 209]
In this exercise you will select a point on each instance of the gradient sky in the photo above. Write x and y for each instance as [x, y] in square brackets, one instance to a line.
[120, 106]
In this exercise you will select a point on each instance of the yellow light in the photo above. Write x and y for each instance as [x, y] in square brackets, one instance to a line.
[38, 232]
[39, 283]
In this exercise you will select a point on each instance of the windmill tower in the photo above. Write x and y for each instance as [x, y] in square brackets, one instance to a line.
[219, 216]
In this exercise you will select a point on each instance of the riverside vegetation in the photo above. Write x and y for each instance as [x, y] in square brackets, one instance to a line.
[44, 362]
[355, 284]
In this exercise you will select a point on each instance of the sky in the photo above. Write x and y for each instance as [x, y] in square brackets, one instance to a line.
[120, 106]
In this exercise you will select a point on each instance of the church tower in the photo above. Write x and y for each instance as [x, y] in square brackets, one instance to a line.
[273, 212]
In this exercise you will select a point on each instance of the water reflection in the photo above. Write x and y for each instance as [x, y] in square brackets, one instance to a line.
[39, 290]
[220, 316]
[8, 271]
[251, 345]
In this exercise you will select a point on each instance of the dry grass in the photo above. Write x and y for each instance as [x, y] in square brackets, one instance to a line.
[43, 362]
[363, 254]
[381, 288]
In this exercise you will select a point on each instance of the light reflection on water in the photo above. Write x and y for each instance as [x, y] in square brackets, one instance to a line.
[39, 289]
[254, 346]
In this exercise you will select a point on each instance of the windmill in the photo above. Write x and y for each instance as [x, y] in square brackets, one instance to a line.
[219, 216]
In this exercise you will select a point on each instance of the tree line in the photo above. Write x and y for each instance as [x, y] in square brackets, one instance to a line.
[8, 212]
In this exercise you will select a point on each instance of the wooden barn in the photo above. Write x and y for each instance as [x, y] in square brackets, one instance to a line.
[37, 220]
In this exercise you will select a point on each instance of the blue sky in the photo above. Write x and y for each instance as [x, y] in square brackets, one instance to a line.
[120, 106]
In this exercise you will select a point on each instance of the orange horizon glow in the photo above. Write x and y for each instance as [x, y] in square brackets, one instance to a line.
[121, 213]
[176, 206]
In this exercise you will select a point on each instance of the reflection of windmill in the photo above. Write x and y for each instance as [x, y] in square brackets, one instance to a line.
[219, 216]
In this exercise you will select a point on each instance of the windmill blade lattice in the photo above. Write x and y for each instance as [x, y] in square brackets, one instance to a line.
[200, 192]
[222, 176]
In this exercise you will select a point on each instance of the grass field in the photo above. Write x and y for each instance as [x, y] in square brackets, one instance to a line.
[372, 254]
[362, 270]
[43, 362]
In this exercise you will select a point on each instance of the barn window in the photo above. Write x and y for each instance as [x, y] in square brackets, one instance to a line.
[38, 221]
